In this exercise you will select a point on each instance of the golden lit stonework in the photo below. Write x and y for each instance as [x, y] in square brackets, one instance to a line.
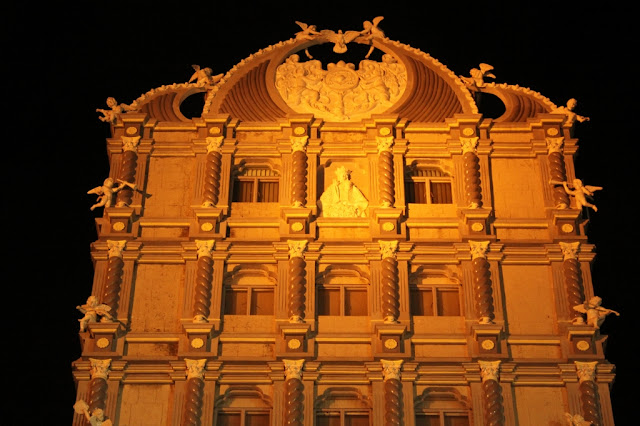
[567, 228]
[294, 344]
[477, 227]
[390, 343]
[297, 226]
[131, 130]
[118, 226]
[583, 345]
[102, 343]
[488, 345]
[197, 343]
[206, 226]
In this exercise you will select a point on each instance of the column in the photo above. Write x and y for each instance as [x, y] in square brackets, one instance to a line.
[194, 393]
[111, 292]
[297, 280]
[98, 383]
[386, 181]
[128, 169]
[294, 392]
[572, 279]
[493, 406]
[471, 165]
[204, 279]
[389, 281]
[299, 169]
[392, 392]
[213, 165]
[558, 172]
[482, 281]
[589, 391]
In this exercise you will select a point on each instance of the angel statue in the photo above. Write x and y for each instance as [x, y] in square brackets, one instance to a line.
[372, 31]
[340, 39]
[106, 190]
[576, 420]
[568, 111]
[111, 115]
[308, 32]
[91, 310]
[476, 80]
[595, 313]
[580, 192]
[204, 76]
[97, 417]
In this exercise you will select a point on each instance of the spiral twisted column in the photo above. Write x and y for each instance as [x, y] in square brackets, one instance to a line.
[493, 403]
[204, 281]
[392, 392]
[299, 169]
[572, 279]
[128, 169]
[589, 391]
[294, 392]
[482, 282]
[194, 394]
[213, 165]
[557, 171]
[115, 266]
[386, 180]
[98, 384]
[297, 280]
[389, 280]
[471, 165]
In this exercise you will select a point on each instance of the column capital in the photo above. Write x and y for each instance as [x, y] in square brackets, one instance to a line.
[293, 368]
[555, 144]
[100, 368]
[479, 249]
[384, 143]
[469, 144]
[570, 250]
[130, 143]
[586, 370]
[115, 248]
[299, 143]
[391, 369]
[195, 368]
[489, 370]
[205, 247]
[388, 248]
[297, 247]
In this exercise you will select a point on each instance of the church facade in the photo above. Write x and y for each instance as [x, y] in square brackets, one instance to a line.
[342, 243]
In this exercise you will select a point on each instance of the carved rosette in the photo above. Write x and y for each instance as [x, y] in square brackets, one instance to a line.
[294, 396]
[493, 405]
[390, 289]
[299, 171]
[471, 165]
[212, 171]
[297, 280]
[558, 171]
[589, 391]
[194, 392]
[572, 279]
[482, 281]
[98, 384]
[385, 170]
[128, 169]
[115, 266]
[204, 280]
[392, 392]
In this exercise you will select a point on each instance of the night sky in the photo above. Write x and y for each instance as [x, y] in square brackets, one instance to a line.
[64, 62]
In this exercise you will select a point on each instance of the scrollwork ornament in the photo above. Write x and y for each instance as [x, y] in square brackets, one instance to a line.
[115, 248]
[555, 145]
[586, 370]
[479, 249]
[469, 144]
[130, 143]
[388, 248]
[570, 250]
[293, 368]
[391, 369]
[297, 248]
[195, 368]
[489, 370]
[205, 247]
[214, 143]
[100, 368]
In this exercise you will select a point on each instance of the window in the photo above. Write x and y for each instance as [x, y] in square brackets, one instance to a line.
[442, 419]
[256, 185]
[243, 418]
[342, 418]
[442, 407]
[248, 301]
[435, 300]
[427, 186]
[342, 300]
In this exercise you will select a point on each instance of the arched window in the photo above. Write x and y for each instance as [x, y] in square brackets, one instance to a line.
[442, 407]
[343, 406]
[243, 406]
[434, 293]
[427, 185]
[249, 290]
[342, 291]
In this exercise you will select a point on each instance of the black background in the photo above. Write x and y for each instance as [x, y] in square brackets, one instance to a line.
[62, 62]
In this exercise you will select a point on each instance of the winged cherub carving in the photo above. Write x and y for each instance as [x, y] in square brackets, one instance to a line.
[340, 39]
[580, 192]
[476, 80]
[204, 76]
[371, 31]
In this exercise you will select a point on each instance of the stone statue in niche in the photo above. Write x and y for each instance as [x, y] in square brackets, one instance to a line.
[96, 418]
[580, 192]
[476, 81]
[595, 313]
[204, 76]
[91, 310]
[568, 111]
[342, 198]
[576, 420]
[111, 115]
[106, 190]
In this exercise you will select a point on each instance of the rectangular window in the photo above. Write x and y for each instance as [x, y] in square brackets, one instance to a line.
[256, 185]
[342, 418]
[243, 418]
[428, 186]
[435, 301]
[342, 301]
[248, 301]
[442, 419]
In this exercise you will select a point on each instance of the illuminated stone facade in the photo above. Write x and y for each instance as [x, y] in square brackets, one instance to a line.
[336, 243]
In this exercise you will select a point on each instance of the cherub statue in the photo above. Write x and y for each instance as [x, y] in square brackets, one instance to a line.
[342, 198]
[308, 31]
[476, 80]
[371, 31]
[204, 76]
[340, 39]
[568, 111]
[106, 190]
[576, 420]
[111, 115]
[580, 192]
[91, 310]
[595, 313]
[97, 417]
